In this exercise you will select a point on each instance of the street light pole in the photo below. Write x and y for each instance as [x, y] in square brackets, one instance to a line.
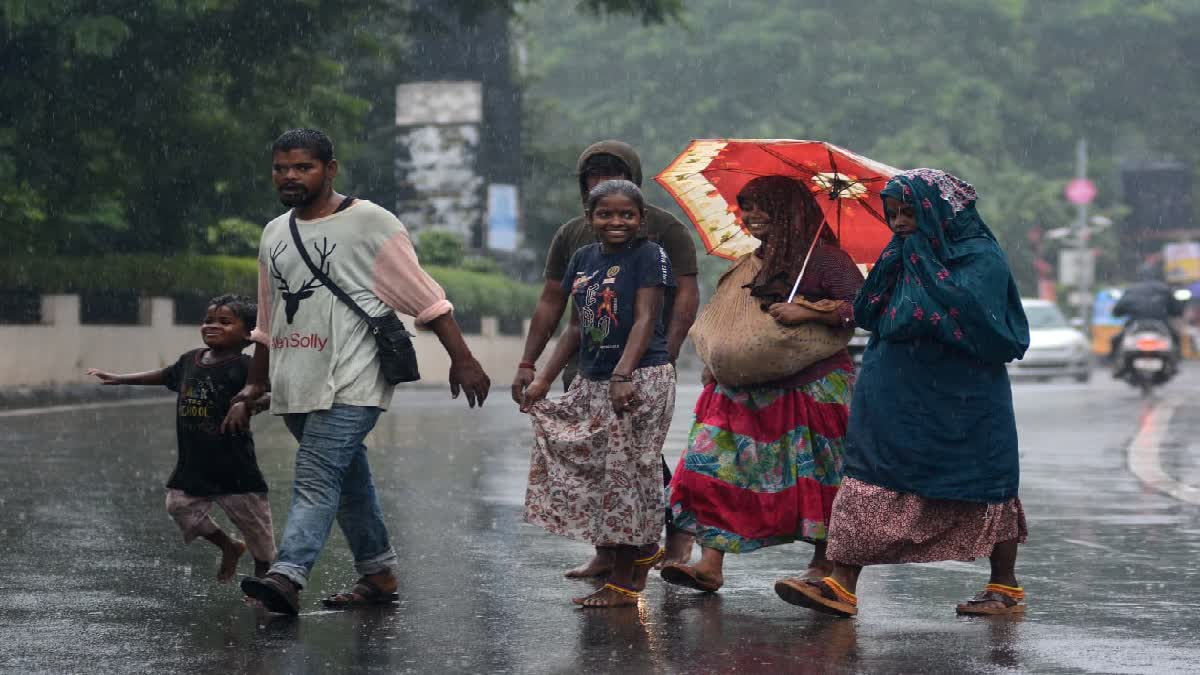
[1081, 237]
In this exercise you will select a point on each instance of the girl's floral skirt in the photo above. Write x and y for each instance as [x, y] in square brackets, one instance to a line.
[597, 477]
[763, 464]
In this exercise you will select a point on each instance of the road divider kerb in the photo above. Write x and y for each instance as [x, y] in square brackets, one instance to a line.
[79, 407]
[1145, 455]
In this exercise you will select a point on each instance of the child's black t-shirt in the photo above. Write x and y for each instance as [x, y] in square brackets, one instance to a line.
[603, 287]
[210, 463]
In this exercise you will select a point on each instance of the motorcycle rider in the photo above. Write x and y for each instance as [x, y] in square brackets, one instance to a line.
[1148, 299]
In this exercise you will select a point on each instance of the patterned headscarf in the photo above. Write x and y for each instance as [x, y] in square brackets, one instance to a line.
[795, 218]
[949, 281]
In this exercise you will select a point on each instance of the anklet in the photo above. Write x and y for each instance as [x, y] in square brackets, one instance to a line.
[627, 592]
[659, 554]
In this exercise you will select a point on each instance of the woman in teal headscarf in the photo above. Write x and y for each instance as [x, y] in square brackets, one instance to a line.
[931, 460]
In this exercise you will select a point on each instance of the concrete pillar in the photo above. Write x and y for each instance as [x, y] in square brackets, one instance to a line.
[60, 310]
[160, 312]
[489, 326]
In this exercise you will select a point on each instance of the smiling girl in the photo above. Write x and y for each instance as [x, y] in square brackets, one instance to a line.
[596, 472]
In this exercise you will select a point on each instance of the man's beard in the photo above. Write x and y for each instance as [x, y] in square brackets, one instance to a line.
[301, 198]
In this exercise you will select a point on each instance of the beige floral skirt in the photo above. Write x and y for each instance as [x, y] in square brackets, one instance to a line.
[597, 477]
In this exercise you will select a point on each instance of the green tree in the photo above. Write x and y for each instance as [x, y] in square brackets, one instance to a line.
[137, 124]
[996, 92]
[438, 247]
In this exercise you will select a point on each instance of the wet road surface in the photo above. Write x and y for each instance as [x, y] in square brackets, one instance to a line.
[94, 577]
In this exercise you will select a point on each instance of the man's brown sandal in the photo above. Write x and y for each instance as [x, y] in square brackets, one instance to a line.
[364, 594]
[276, 592]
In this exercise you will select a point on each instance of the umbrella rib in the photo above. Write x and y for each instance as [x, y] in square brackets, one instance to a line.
[783, 159]
[871, 210]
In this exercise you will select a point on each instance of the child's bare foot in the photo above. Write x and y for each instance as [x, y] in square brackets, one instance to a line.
[609, 596]
[230, 554]
[679, 549]
[600, 565]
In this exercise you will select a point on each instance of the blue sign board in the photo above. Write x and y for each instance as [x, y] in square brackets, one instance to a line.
[502, 217]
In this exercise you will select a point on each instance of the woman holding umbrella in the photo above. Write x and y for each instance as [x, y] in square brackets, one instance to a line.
[764, 460]
[931, 452]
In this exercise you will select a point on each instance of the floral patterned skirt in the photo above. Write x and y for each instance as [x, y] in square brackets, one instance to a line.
[763, 464]
[597, 477]
[873, 525]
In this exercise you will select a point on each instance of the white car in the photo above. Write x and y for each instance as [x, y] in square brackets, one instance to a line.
[1055, 348]
[858, 345]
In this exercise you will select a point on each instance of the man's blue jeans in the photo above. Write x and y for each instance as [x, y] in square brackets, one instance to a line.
[333, 480]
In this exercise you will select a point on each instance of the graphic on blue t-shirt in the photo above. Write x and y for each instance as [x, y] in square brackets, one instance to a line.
[603, 287]
[598, 315]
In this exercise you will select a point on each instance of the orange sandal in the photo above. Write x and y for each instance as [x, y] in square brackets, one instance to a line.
[1011, 597]
[821, 595]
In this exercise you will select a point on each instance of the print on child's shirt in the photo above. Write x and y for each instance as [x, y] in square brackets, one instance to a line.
[598, 315]
[291, 299]
[195, 405]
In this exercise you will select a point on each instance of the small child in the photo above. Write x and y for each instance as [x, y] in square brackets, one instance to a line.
[216, 450]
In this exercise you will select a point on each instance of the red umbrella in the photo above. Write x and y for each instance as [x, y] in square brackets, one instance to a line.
[707, 177]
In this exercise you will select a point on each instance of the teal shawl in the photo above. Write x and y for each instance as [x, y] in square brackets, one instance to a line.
[932, 411]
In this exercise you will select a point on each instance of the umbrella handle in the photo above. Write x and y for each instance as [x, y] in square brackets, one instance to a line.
[807, 257]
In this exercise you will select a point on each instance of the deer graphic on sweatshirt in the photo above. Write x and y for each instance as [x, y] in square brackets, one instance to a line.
[291, 299]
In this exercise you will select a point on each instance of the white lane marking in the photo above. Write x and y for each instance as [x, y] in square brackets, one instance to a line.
[45, 410]
[1145, 460]
[1087, 544]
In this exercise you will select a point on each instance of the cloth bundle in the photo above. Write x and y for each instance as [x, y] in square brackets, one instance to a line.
[743, 345]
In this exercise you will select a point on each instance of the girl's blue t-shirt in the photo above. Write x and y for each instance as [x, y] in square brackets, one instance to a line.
[603, 287]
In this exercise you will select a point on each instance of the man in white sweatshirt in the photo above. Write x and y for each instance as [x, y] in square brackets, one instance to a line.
[323, 367]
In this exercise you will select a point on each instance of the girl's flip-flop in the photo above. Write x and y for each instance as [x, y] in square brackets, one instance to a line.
[822, 595]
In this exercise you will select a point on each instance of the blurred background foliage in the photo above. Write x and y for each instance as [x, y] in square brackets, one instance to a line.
[142, 126]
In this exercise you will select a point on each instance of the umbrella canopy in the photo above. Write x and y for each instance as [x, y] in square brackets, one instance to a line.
[707, 177]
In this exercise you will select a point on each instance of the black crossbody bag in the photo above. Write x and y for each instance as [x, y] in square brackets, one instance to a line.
[397, 358]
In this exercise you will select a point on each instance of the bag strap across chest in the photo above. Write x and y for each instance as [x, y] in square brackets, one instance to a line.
[321, 274]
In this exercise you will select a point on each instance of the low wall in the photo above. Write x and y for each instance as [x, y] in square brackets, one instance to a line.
[60, 350]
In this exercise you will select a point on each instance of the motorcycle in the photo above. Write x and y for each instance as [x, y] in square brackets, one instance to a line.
[1147, 357]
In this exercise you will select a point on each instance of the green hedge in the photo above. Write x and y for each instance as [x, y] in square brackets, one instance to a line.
[473, 293]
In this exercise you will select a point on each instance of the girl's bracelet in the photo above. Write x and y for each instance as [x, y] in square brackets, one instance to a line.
[527, 365]
[619, 378]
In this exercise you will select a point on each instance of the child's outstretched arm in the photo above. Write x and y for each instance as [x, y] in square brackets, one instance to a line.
[150, 377]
